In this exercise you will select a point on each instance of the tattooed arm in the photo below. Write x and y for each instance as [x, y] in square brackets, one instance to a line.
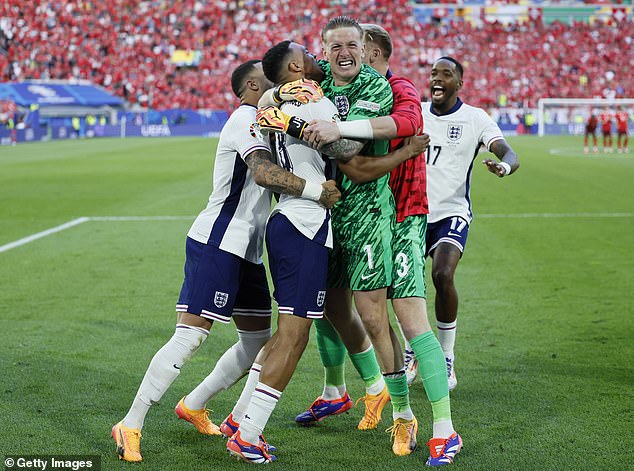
[343, 149]
[273, 177]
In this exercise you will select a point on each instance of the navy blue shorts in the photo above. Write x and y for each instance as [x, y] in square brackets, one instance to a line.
[452, 230]
[299, 268]
[219, 284]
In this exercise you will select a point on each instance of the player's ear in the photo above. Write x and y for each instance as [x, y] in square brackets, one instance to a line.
[253, 84]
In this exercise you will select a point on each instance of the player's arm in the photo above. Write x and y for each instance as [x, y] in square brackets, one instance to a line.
[508, 163]
[361, 169]
[405, 120]
[273, 177]
[271, 119]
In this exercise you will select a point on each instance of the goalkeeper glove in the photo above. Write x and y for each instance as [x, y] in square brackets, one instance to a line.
[302, 90]
[272, 119]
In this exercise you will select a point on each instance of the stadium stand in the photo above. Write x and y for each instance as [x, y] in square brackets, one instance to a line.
[127, 46]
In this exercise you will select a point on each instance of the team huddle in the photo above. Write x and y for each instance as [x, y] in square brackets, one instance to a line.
[364, 198]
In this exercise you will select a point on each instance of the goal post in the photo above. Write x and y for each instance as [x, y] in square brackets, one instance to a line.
[568, 115]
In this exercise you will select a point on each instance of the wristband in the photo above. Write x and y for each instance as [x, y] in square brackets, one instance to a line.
[312, 191]
[506, 167]
[296, 127]
[360, 129]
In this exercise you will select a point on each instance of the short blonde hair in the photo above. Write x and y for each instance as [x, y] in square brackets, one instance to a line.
[375, 34]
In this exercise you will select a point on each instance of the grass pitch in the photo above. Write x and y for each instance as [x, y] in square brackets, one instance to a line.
[544, 349]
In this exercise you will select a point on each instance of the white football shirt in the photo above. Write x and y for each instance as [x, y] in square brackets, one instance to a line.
[236, 214]
[309, 217]
[455, 140]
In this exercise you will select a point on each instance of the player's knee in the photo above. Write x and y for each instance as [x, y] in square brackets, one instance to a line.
[189, 339]
[250, 343]
[442, 276]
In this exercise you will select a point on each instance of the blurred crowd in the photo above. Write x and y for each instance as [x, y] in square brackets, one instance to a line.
[126, 46]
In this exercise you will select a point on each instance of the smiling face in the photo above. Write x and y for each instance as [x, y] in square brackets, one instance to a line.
[445, 82]
[343, 49]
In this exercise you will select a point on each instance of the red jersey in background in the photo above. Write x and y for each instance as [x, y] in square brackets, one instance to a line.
[606, 121]
[408, 181]
[621, 121]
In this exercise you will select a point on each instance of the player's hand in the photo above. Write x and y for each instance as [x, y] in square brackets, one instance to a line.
[495, 167]
[271, 119]
[330, 194]
[320, 133]
[302, 90]
[416, 145]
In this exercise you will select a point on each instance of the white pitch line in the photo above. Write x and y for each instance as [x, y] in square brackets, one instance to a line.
[141, 218]
[556, 215]
[75, 222]
[39, 235]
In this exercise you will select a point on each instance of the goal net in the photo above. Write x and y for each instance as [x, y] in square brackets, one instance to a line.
[569, 115]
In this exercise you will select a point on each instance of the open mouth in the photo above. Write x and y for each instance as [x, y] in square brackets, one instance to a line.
[345, 63]
[437, 92]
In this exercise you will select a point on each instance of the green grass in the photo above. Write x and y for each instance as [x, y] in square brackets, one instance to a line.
[544, 353]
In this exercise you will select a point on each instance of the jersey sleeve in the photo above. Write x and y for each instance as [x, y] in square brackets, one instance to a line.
[245, 138]
[406, 113]
[488, 129]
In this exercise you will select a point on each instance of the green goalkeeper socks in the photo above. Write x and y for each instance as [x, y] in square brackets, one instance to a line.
[331, 351]
[431, 365]
[399, 393]
[368, 367]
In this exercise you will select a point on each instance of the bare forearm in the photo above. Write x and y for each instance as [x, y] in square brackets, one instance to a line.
[362, 169]
[505, 153]
[342, 149]
[383, 127]
[273, 177]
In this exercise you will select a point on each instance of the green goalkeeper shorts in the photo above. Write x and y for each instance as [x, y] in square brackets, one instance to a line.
[366, 246]
[408, 274]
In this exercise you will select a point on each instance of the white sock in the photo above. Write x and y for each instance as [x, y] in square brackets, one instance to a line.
[406, 414]
[245, 397]
[231, 366]
[377, 387]
[447, 337]
[331, 393]
[163, 370]
[443, 429]
[260, 408]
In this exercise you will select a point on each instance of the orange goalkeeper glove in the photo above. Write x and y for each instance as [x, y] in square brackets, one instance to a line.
[272, 119]
[302, 90]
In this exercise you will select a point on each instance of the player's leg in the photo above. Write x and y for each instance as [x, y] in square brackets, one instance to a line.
[585, 141]
[446, 240]
[298, 268]
[196, 311]
[252, 316]
[368, 254]
[595, 147]
[408, 295]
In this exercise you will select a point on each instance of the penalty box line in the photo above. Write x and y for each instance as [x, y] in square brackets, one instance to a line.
[81, 220]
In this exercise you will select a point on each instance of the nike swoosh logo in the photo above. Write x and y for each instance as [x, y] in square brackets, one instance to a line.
[177, 367]
[365, 277]
[399, 284]
[453, 234]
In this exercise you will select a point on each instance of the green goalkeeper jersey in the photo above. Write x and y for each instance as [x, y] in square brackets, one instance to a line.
[369, 95]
